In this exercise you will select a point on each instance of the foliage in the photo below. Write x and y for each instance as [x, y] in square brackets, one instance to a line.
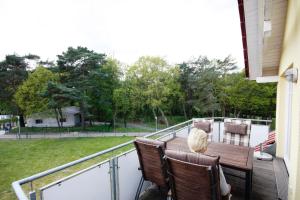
[59, 96]
[123, 101]
[247, 98]
[13, 71]
[150, 88]
[78, 68]
[199, 80]
[153, 83]
[13, 119]
[29, 95]
[105, 80]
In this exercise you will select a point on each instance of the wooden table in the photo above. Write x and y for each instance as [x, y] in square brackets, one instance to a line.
[231, 156]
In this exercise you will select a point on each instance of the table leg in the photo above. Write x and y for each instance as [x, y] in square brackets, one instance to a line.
[248, 184]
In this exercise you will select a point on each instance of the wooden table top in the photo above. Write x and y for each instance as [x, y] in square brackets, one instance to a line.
[238, 157]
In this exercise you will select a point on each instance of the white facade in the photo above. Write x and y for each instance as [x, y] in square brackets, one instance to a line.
[70, 118]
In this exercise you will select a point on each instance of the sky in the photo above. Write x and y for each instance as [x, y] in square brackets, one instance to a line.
[177, 30]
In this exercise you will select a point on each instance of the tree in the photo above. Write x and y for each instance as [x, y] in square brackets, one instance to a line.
[153, 79]
[247, 98]
[77, 67]
[58, 96]
[29, 94]
[105, 80]
[201, 81]
[123, 102]
[13, 71]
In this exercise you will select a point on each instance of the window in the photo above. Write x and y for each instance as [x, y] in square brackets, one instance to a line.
[63, 120]
[38, 121]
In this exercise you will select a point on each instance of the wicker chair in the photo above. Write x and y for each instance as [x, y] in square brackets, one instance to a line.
[193, 176]
[150, 154]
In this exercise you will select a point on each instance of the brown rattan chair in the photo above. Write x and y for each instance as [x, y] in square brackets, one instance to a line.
[150, 154]
[193, 176]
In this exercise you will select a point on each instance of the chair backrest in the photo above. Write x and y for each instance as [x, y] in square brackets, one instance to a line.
[150, 154]
[237, 132]
[193, 176]
[206, 125]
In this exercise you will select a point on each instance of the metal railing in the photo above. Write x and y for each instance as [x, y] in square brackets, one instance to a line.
[17, 185]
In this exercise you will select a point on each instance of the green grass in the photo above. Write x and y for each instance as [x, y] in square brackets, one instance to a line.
[20, 159]
[173, 120]
[96, 128]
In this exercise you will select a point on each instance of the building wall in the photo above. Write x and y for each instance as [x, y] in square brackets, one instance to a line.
[290, 58]
[51, 122]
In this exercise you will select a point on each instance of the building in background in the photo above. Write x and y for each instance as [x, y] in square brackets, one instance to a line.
[71, 117]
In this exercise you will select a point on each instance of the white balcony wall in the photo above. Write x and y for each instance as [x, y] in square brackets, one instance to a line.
[129, 176]
[89, 184]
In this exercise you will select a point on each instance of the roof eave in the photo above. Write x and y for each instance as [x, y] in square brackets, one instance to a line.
[244, 35]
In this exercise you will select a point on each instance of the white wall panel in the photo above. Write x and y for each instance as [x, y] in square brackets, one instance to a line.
[92, 184]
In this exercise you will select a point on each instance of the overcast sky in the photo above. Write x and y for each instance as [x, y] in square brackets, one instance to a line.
[177, 30]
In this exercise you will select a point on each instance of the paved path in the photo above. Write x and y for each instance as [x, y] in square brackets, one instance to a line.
[70, 135]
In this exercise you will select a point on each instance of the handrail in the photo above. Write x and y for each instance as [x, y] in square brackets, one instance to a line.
[17, 184]
[255, 120]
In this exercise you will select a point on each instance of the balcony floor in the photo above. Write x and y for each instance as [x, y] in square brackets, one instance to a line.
[263, 188]
[264, 182]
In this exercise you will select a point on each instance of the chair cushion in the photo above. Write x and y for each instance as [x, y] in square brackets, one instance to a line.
[236, 139]
[203, 125]
[152, 142]
[195, 158]
[231, 127]
[237, 132]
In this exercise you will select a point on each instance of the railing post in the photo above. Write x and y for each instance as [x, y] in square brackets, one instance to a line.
[219, 131]
[114, 178]
[32, 195]
[189, 127]
[117, 189]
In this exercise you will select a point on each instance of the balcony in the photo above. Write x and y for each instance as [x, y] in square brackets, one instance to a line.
[118, 177]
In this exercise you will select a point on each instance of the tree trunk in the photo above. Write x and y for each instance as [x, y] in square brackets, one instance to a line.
[56, 116]
[184, 111]
[154, 114]
[60, 117]
[223, 112]
[238, 114]
[82, 115]
[124, 121]
[163, 115]
[22, 122]
[114, 121]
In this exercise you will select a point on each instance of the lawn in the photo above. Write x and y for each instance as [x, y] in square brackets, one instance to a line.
[20, 159]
